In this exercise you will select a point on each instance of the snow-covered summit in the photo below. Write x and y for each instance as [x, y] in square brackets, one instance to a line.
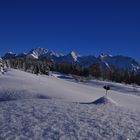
[22, 54]
[121, 62]
[9, 55]
[37, 52]
[43, 53]
[74, 56]
[51, 55]
[70, 58]
[102, 56]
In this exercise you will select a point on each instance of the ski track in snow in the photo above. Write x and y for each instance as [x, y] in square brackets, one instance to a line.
[45, 107]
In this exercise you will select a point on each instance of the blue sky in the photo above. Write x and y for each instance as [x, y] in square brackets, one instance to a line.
[85, 26]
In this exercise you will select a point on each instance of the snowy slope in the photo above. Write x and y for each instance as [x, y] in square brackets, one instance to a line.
[87, 61]
[47, 107]
[36, 53]
[22, 55]
[121, 62]
[71, 91]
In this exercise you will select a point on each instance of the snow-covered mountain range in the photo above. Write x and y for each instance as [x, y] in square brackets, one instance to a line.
[105, 61]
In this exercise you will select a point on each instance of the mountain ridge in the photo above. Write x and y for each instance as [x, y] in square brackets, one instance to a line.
[104, 60]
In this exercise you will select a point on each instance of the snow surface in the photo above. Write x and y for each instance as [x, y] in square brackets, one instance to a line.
[47, 107]
[54, 119]
[103, 100]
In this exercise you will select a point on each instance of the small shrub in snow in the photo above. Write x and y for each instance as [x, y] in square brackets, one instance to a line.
[107, 88]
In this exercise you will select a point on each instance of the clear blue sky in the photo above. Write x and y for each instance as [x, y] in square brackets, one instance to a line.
[84, 26]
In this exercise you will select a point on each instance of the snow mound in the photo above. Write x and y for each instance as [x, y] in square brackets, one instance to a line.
[104, 100]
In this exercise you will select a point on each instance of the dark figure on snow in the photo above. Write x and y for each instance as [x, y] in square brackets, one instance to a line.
[107, 88]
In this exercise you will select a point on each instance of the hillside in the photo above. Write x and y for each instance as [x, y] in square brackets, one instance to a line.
[49, 107]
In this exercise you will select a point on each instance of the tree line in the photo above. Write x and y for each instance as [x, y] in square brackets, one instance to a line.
[44, 66]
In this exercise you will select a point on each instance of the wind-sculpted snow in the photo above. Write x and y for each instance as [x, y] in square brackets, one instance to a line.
[8, 95]
[54, 120]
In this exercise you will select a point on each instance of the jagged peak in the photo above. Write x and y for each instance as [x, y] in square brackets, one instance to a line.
[37, 52]
[103, 55]
[74, 54]
[10, 53]
[39, 49]
[55, 53]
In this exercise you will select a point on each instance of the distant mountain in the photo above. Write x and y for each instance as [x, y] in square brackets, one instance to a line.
[120, 62]
[43, 53]
[105, 61]
[71, 57]
[22, 55]
[87, 61]
[36, 53]
[9, 55]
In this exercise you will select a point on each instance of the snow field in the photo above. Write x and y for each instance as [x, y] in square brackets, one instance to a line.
[45, 107]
